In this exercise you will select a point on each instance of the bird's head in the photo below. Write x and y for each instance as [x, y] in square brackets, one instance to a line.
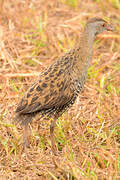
[97, 25]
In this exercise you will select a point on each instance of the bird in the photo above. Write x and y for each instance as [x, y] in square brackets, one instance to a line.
[59, 85]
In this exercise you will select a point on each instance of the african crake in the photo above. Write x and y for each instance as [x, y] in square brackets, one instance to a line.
[59, 85]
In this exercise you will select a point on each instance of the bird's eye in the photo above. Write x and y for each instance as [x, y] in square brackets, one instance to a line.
[103, 25]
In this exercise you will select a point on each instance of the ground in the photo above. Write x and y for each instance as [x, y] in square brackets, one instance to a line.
[32, 35]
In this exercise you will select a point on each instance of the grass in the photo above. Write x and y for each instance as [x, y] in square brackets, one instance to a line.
[88, 135]
[71, 3]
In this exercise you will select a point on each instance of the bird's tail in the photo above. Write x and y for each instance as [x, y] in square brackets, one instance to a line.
[23, 119]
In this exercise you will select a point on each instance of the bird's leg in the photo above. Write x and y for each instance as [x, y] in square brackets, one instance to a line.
[26, 134]
[52, 138]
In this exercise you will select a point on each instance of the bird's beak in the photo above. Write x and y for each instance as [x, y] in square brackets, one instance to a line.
[110, 27]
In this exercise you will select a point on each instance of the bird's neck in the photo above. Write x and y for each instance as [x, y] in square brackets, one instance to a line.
[85, 45]
[83, 52]
[87, 39]
[89, 33]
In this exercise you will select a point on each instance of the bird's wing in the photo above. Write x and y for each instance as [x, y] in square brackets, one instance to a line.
[51, 90]
[38, 101]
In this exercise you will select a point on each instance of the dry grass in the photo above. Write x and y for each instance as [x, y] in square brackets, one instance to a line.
[32, 35]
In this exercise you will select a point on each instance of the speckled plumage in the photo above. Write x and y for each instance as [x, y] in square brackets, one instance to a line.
[55, 90]
[59, 85]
